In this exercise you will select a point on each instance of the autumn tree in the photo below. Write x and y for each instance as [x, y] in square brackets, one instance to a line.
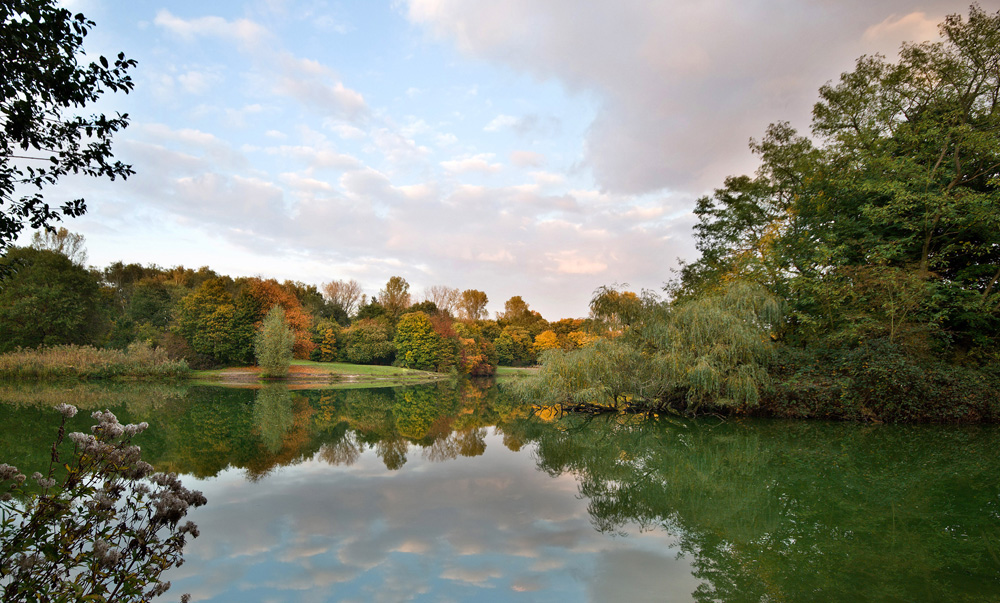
[45, 83]
[346, 294]
[62, 241]
[395, 297]
[472, 305]
[264, 294]
[546, 340]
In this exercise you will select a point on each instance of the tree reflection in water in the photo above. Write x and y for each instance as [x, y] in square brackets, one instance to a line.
[766, 511]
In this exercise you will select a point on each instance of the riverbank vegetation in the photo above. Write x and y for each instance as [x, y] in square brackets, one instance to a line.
[137, 361]
[878, 238]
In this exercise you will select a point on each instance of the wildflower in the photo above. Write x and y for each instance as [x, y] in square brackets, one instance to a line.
[66, 410]
[131, 430]
[7, 472]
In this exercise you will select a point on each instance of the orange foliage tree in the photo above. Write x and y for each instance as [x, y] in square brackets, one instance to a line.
[269, 293]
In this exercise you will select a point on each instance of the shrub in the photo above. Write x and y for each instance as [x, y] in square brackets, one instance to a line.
[105, 533]
[894, 386]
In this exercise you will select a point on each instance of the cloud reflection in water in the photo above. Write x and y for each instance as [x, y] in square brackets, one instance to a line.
[490, 527]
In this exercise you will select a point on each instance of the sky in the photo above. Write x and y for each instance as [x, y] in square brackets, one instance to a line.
[525, 147]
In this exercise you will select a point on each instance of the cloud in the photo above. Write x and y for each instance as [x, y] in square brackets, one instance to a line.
[308, 81]
[499, 123]
[314, 84]
[681, 86]
[914, 27]
[472, 163]
[542, 125]
[244, 31]
[527, 159]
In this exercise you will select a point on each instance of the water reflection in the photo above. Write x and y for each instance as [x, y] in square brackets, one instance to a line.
[459, 492]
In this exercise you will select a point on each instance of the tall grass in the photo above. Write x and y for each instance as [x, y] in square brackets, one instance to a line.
[139, 361]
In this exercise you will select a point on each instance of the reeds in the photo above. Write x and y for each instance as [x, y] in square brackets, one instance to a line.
[139, 361]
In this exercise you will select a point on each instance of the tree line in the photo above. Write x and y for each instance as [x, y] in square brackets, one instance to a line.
[48, 297]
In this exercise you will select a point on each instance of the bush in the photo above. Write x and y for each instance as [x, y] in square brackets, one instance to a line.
[879, 381]
[896, 387]
[105, 533]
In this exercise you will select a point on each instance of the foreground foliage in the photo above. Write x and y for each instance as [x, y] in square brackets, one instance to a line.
[102, 530]
[44, 83]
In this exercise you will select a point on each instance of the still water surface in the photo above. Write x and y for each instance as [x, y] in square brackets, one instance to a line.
[444, 493]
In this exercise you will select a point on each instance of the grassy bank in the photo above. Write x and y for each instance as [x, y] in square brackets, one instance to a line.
[139, 361]
[320, 375]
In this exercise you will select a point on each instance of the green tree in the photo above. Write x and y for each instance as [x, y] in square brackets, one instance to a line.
[903, 182]
[368, 342]
[513, 347]
[273, 344]
[418, 346]
[43, 84]
[45, 299]
[708, 352]
[216, 323]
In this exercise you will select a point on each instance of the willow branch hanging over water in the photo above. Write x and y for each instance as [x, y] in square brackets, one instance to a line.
[700, 354]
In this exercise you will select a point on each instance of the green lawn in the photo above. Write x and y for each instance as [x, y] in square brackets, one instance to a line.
[322, 375]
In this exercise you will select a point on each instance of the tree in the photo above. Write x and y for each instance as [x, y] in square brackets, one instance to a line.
[62, 241]
[513, 347]
[368, 342]
[273, 344]
[346, 294]
[472, 305]
[711, 351]
[395, 297]
[263, 295]
[45, 299]
[546, 340]
[904, 178]
[418, 346]
[445, 299]
[43, 84]
[517, 313]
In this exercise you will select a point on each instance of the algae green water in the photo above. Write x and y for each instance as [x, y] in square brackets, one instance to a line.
[446, 492]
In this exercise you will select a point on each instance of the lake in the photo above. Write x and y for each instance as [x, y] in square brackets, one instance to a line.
[457, 493]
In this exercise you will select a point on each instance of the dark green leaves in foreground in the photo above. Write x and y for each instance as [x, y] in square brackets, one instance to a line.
[42, 85]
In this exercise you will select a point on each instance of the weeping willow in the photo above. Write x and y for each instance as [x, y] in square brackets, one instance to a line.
[704, 353]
